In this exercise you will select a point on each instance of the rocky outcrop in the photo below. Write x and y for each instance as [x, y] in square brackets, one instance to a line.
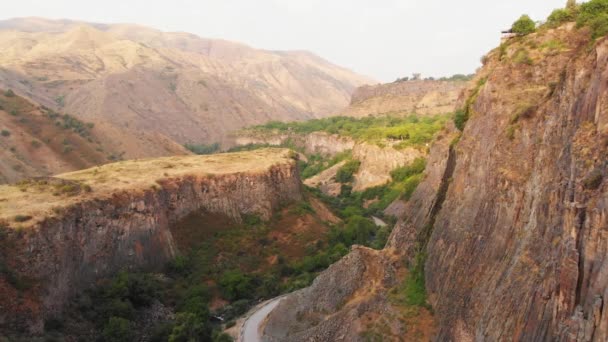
[403, 98]
[100, 234]
[332, 307]
[518, 249]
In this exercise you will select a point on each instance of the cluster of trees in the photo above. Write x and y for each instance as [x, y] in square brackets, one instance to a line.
[410, 130]
[592, 14]
[203, 149]
[346, 173]
[455, 77]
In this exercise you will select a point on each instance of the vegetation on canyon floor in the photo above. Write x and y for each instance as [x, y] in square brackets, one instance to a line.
[409, 131]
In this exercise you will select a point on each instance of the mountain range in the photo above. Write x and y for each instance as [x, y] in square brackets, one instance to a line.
[140, 86]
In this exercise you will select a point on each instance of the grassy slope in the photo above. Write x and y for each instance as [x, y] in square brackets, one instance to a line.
[36, 199]
[36, 141]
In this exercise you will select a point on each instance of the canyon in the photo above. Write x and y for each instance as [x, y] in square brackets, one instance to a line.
[64, 233]
[499, 236]
[423, 97]
[376, 162]
[508, 222]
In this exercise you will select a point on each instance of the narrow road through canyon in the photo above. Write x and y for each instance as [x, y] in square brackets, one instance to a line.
[251, 331]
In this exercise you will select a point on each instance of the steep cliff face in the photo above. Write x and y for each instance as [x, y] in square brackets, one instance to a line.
[421, 97]
[376, 162]
[512, 215]
[68, 243]
[518, 249]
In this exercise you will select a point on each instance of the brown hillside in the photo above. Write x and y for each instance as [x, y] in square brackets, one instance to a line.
[36, 142]
[179, 85]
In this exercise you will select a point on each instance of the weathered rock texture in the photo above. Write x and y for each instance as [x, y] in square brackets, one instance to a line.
[347, 302]
[129, 228]
[376, 162]
[403, 98]
[513, 215]
[518, 249]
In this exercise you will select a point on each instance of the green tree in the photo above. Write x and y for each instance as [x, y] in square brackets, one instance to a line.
[234, 285]
[524, 25]
[594, 14]
[118, 329]
[346, 173]
[9, 93]
[189, 327]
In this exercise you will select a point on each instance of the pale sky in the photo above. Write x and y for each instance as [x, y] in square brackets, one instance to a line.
[383, 39]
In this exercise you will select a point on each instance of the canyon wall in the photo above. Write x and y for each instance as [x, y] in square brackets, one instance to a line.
[376, 162]
[129, 229]
[424, 97]
[518, 251]
[511, 215]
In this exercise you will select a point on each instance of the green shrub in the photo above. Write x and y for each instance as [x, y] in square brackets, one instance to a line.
[5, 133]
[401, 173]
[189, 327]
[524, 25]
[234, 285]
[180, 265]
[203, 149]
[460, 119]
[9, 93]
[317, 163]
[410, 185]
[118, 330]
[414, 287]
[594, 14]
[522, 57]
[221, 337]
[410, 130]
[346, 173]
[560, 16]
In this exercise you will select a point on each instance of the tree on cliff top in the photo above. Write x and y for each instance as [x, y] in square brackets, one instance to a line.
[524, 25]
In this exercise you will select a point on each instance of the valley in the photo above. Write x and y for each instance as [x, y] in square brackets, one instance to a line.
[161, 186]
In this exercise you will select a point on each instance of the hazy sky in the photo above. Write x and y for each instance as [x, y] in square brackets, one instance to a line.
[384, 39]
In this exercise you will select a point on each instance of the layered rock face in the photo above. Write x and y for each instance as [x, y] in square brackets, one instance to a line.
[99, 234]
[420, 97]
[518, 250]
[512, 216]
[376, 162]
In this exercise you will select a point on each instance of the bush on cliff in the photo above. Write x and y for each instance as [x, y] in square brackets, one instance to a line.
[524, 25]
[346, 173]
[560, 16]
[594, 14]
[402, 173]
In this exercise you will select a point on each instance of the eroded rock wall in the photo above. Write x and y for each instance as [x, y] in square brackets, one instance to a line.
[514, 213]
[376, 162]
[518, 250]
[131, 230]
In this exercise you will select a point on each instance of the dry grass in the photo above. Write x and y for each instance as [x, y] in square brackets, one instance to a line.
[134, 175]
